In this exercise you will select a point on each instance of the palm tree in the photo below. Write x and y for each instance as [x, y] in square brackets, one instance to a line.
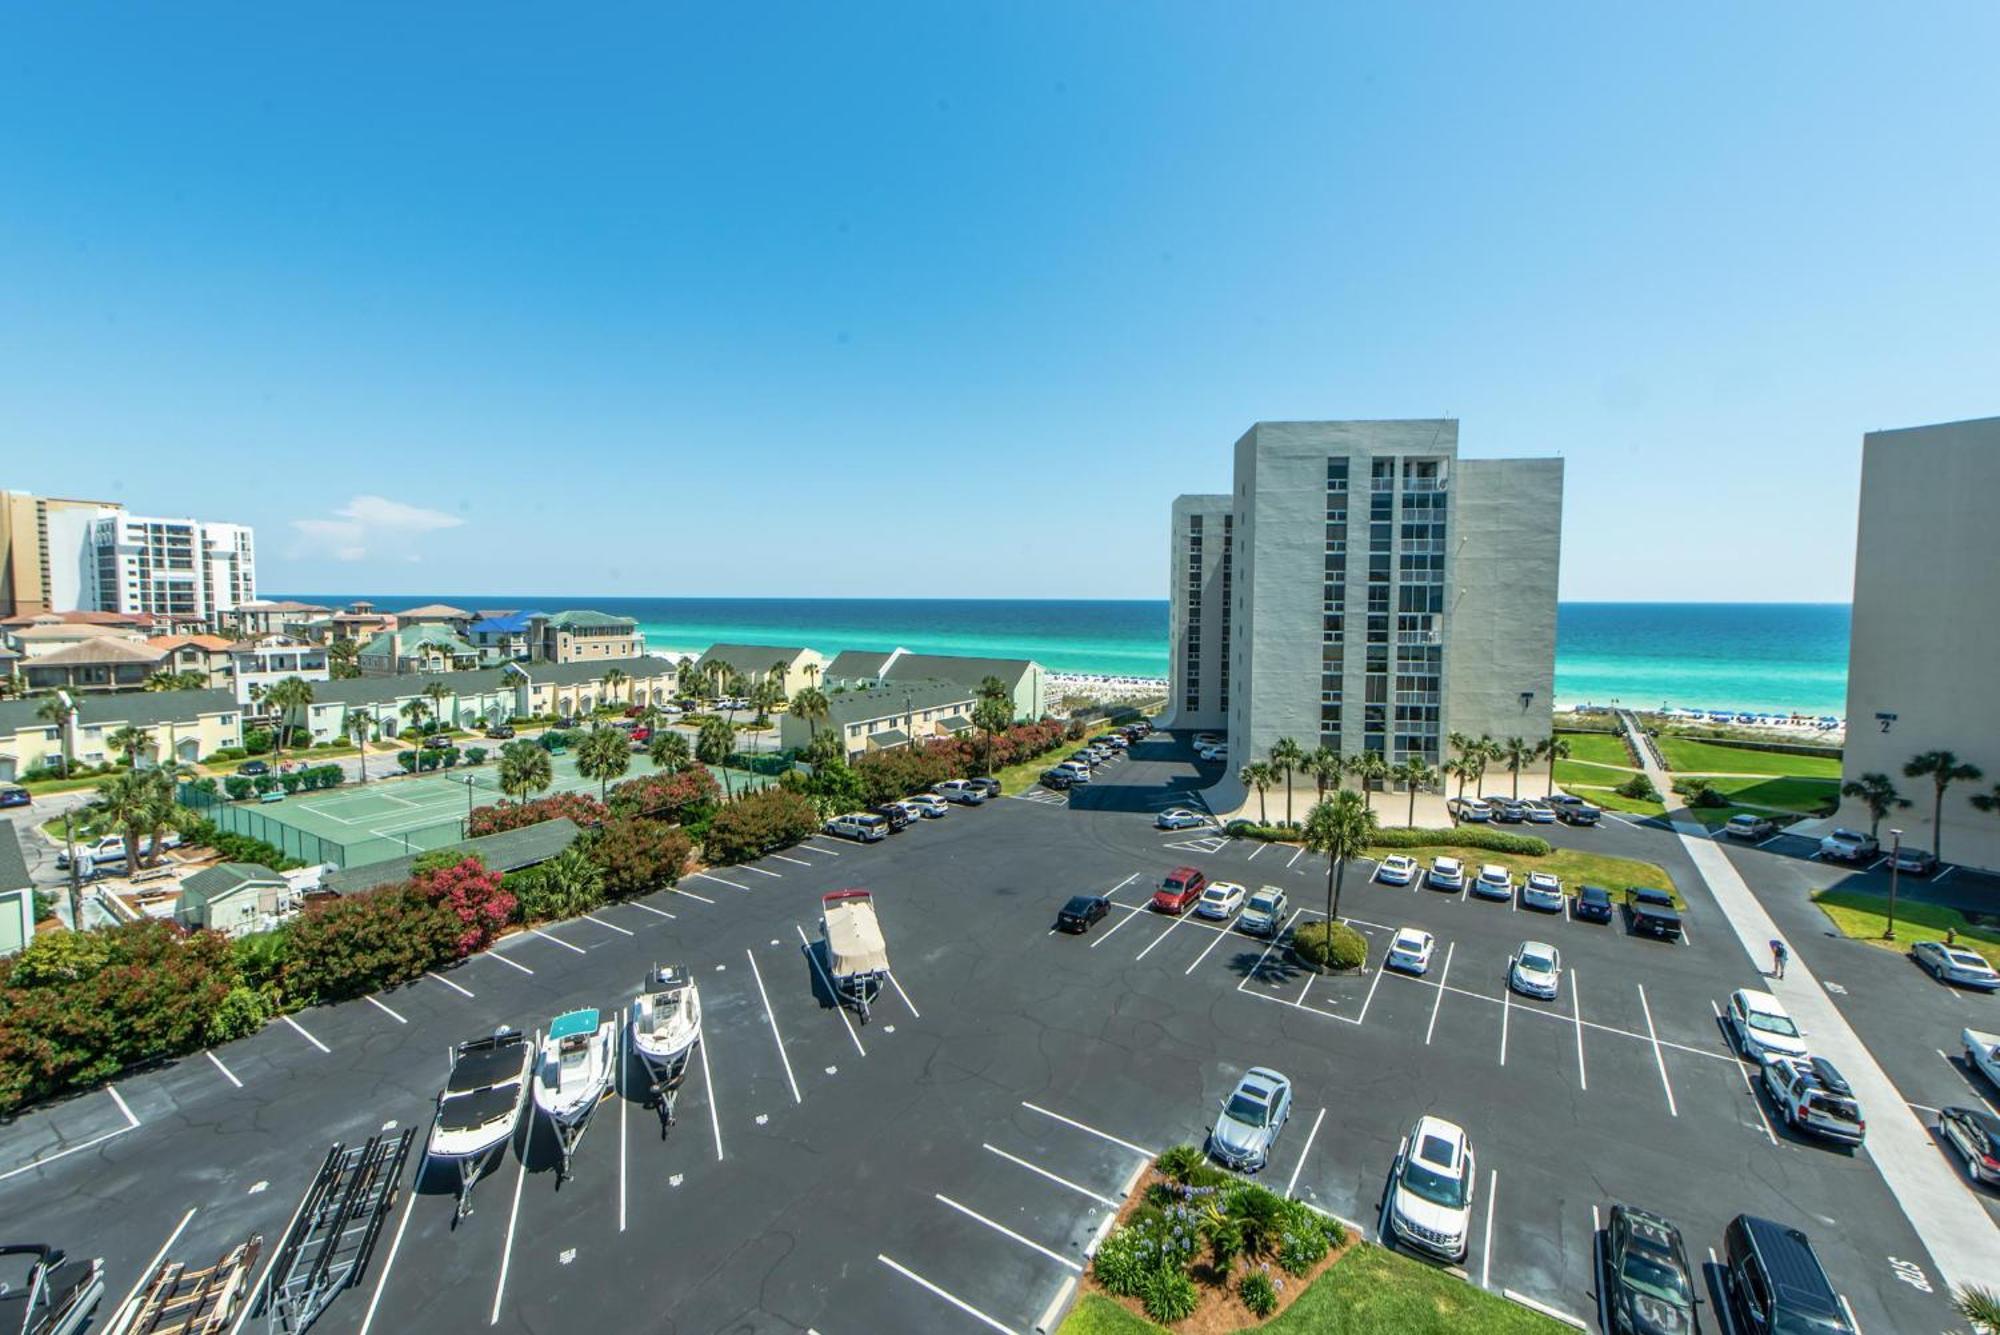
[713, 745]
[1257, 775]
[1878, 793]
[437, 693]
[1285, 757]
[993, 711]
[1369, 768]
[1339, 828]
[812, 674]
[1326, 767]
[130, 804]
[780, 676]
[525, 768]
[292, 693]
[1483, 753]
[130, 740]
[58, 710]
[1516, 752]
[1456, 769]
[613, 679]
[360, 725]
[1943, 769]
[1463, 770]
[340, 656]
[669, 751]
[603, 755]
[436, 655]
[811, 705]
[1413, 774]
[1554, 749]
[257, 692]
[415, 710]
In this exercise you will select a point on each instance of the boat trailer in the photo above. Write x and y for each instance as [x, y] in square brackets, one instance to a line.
[327, 1245]
[180, 1301]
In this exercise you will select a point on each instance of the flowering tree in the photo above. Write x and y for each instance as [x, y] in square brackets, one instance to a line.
[472, 893]
[585, 810]
[639, 855]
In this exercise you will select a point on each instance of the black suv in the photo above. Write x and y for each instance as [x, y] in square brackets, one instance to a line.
[499, 732]
[1056, 779]
[1775, 1282]
[1648, 1288]
[894, 815]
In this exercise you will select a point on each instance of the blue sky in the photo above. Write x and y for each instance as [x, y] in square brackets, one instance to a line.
[804, 299]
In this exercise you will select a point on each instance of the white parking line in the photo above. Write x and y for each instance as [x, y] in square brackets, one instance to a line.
[1113, 891]
[1756, 1099]
[772, 1016]
[1486, 1252]
[513, 1215]
[818, 848]
[1101, 1135]
[708, 1088]
[303, 1034]
[1773, 839]
[830, 989]
[959, 1303]
[120, 1314]
[1506, 1010]
[1439, 1001]
[1258, 967]
[395, 1246]
[496, 955]
[1006, 1232]
[448, 983]
[1039, 1171]
[1204, 950]
[1968, 1083]
[1304, 1152]
[264, 1279]
[1370, 999]
[677, 890]
[227, 1074]
[1255, 851]
[1130, 913]
[659, 912]
[385, 1010]
[796, 862]
[1179, 918]
[905, 996]
[774, 875]
[622, 931]
[536, 931]
[1295, 857]
[1576, 1010]
[710, 876]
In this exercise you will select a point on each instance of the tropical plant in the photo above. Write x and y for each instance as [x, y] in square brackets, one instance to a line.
[604, 754]
[1484, 752]
[1980, 1306]
[1553, 749]
[525, 768]
[613, 679]
[1986, 802]
[340, 659]
[1878, 793]
[360, 726]
[567, 884]
[415, 710]
[1257, 775]
[58, 711]
[131, 804]
[1516, 752]
[1414, 774]
[1326, 766]
[758, 822]
[1339, 828]
[1285, 757]
[669, 751]
[131, 741]
[437, 693]
[713, 744]
[992, 712]
[639, 856]
[1369, 769]
[1257, 1293]
[811, 705]
[1943, 769]
[283, 698]
[166, 679]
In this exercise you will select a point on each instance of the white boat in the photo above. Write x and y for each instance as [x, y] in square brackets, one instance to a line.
[479, 1106]
[666, 1026]
[573, 1075]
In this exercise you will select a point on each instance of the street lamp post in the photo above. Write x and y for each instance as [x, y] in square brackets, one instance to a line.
[1895, 856]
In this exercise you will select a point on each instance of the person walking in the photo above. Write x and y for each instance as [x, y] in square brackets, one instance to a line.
[1778, 957]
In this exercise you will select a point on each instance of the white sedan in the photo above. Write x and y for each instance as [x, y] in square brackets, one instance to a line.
[927, 804]
[1536, 971]
[1396, 869]
[1221, 899]
[1411, 951]
[1543, 890]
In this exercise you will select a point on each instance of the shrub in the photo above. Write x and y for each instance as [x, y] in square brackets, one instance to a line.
[1168, 1296]
[1180, 1161]
[639, 856]
[290, 781]
[1257, 1294]
[225, 753]
[671, 797]
[1303, 1244]
[203, 787]
[1464, 836]
[257, 741]
[349, 946]
[1123, 1262]
[755, 824]
[238, 847]
[567, 884]
[582, 808]
[472, 893]
[475, 755]
[260, 958]
[1700, 793]
[264, 783]
[238, 787]
[408, 760]
[1330, 945]
[1640, 788]
[242, 1011]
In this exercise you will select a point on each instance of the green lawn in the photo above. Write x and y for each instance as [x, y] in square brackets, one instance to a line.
[1804, 796]
[1368, 1291]
[1600, 748]
[1611, 800]
[1586, 771]
[1020, 778]
[41, 786]
[1862, 915]
[1687, 755]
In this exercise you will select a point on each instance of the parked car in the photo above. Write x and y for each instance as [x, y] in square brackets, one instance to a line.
[1179, 889]
[1493, 882]
[961, 791]
[1077, 770]
[863, 826]
[1505, 810]
[1593, 904]
[1432, 1185]
[1745, 825]
[1537, 811]
[1815, 1098]
[1473, 810]
[1446, 874]
[1648, 1288]
[1542, 890]
[1652, 913]
[1219, 900]
[1410, 951]
[1975, 1134]
[1843, 845]
[1251, 1119]
[1207, 739]
[13, 796]
[1082, 911]
[1762, 1027]
[1914, 861]
[929, 805]
[1982, 1053]
[1956, 965]
[1574, 810]
[1773, 1281]
[1179, 818]
[893, 815]
[912, 811]
[499, 732]
[1396, 869]
[251, 769]
[1536, 970]
[1265, 914]
[986, 784]
[1059, 779]
[105, 848]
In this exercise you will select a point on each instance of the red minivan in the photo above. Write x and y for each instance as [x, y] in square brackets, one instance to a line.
[1181, 888]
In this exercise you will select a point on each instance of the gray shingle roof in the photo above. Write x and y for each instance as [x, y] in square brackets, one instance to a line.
[952, 667]
[853, 664]
[751, 658]
[223, 877]
[510, 850]
[389, 690]
[144, 709]
[857, 706]
[583, 616]
[571, 674]
[887, 737]
[13, 865]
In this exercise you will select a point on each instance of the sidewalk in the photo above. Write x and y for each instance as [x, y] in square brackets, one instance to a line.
[1962, 1238]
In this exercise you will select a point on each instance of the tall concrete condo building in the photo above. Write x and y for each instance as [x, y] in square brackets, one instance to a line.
[181, 568]
[1921, 665]
[1364, 588]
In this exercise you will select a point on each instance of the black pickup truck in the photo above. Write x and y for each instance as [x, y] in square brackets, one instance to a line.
[1652, 913]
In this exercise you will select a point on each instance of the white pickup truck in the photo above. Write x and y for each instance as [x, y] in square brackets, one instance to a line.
[1983, 1052]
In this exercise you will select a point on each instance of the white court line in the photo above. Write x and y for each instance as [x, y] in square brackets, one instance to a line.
[1486, 1252]
[303, 1034]
[385, 1010]
[1130, 913]
[708, 1087]
[1077, 1187]
[650, 909]
[772, 1016]
[774, 875]
[1179, 918]
[831, 990]
[1101, 1135]
[496, 955]
[709, 876]
[905, 996]
[227, 1074]
[507, 1250]
[122, 1313]
[1576, 1010]
[1303, 1153]
[1006, 1232]
[622, 931]
[448, 983]
[1439, 1001]
[796, 862]
[959, 1303]
[536, 931]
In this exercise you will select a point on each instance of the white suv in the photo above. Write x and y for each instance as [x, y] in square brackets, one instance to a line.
[1430, 1205]
[865, 826]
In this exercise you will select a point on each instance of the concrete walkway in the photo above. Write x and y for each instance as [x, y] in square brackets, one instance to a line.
[1962, 1238]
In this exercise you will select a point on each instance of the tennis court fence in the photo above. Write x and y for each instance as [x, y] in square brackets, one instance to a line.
[361, 851]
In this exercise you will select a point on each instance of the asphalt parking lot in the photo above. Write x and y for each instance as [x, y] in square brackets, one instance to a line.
[947, 1166]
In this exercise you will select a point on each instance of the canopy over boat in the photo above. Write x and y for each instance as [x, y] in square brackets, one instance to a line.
[576, 1024]
[853, 938]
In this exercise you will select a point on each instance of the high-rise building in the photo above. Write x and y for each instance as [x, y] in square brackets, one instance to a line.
[1926, 631]
[1364, 588]
[179, 568]
[46, 564]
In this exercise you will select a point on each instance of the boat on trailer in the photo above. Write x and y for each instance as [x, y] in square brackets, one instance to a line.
[480, 1106]
[666, 1027]
[574, 1075]
[857, 958]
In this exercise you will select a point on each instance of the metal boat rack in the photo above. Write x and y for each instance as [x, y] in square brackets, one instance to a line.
[328, 1243]
[180, 1301]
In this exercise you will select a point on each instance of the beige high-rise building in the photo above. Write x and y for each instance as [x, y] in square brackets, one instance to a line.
[1925, 648]
[46, 559]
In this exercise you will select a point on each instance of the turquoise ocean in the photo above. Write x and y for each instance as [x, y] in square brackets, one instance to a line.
[1746, 656]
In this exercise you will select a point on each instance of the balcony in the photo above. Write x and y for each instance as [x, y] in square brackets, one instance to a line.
[1418, 698]
[1424, 484]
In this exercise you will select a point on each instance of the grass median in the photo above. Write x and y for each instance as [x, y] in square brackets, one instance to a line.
[1863, 915]
[1598, 748]
[1576, 868]
[1689, 755]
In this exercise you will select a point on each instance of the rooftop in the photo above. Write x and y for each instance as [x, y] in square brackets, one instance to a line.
[585, 617]
[213, 643]
[13, 865]
[510, 850]
[752, 658]
[953, 667]
[853, 664]
[389, 690]
[573, 674]
[145, 709]
[435, 612]
[504, 623]
[881, 702]
[212, 882]
[103, 649]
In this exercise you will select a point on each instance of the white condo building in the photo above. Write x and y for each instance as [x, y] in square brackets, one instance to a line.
[1365, 588]
[181, 568]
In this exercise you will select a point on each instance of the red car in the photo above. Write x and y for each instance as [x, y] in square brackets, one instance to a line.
[1179, 890]
[642, 734]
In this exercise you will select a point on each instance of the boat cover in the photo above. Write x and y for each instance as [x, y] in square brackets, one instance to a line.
[482, 1067]
[574, 1025]
[854, 942]
[469, 1112]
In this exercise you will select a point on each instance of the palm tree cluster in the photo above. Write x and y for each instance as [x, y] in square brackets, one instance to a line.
[1329, 769]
